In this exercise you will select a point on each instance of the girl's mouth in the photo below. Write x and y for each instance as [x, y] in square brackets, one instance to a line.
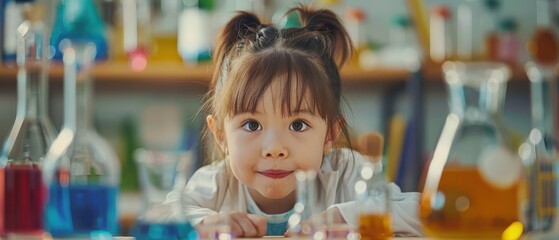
[276, 173]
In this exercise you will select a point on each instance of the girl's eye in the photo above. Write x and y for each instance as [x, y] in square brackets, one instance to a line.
[252, 126]
[298, 126]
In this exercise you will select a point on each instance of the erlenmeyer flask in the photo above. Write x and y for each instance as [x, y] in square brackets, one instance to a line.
[474, 183]
[78, 21]
[29, 139]
[539, 153]
[163, 176]
[80, 169]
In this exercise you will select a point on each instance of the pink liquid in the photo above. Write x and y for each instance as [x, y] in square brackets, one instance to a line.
[24, 199]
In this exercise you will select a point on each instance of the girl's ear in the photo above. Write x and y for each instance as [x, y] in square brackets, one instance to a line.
[216, 132]
[332, 136]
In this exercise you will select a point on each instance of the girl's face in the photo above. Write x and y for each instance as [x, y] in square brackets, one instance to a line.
[265, 148]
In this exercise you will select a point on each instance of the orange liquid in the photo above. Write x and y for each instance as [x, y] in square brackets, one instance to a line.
[375, 226]
[543, 46]
[492, 46]
[471, 206]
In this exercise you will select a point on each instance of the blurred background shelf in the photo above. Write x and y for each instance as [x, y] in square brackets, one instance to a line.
[178, 73]
[169, 73]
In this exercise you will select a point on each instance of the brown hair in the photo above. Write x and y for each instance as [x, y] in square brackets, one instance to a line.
[251, 55]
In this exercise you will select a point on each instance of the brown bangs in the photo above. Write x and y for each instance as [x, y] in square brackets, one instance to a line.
[253, 74]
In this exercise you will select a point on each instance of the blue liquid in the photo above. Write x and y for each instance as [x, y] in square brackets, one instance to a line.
[78, 21]
[80, 210]
[159, 231]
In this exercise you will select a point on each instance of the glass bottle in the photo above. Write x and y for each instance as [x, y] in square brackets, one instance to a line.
[440, 48]
[542, 45]
[474, 183]
[163, 174]
[539, 153]
[14, 13]
[373, 193]
[164, 31]
[132, 33]
[194, 34]
[27, 144]
[509, 42]
[78, 21]
[80, 170]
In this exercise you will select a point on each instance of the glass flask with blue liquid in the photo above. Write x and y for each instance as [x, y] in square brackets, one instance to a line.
[163, 175]
[80, 169]
[78, 21]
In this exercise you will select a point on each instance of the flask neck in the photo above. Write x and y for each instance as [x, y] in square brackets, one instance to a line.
[77, 99]
[543, 94]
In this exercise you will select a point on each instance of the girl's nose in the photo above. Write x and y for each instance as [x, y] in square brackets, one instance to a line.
[274, 148]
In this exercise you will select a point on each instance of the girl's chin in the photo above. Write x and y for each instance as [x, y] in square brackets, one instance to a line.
[275, 193]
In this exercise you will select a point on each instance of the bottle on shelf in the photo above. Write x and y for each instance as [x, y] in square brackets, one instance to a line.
[542, 45]
[164, 31]
[22, 192]
[78, 21]
[194, 34]
[508, 50]
[80, 170]
[14, 13]
[440, 44]
[492, 37]
[132, 33]
[474, 184]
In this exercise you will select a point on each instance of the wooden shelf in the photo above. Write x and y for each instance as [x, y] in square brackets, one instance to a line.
[434, 72]
[169, 73]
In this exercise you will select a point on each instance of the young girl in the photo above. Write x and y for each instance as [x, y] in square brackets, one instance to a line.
[275, 108]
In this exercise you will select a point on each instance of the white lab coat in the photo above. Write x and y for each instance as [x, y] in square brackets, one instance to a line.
[213, 189]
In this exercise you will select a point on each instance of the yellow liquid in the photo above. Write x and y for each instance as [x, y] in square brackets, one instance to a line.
[375, 226]
[164, 49]
[472, 208]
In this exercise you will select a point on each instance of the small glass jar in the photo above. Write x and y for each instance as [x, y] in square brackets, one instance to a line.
[163, 176]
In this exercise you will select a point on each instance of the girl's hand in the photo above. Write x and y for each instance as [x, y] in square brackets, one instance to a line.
[242, 224]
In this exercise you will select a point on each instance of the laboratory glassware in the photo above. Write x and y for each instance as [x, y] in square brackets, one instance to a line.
[542, 45]
[31, 135]
[539, 153]
[78, 21]
[81, 170]
[475, 179]
[163, 175]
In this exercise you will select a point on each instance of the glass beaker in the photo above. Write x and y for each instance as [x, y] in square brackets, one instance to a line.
[475, 180]
[539, 153]
[27, 144]
[375, 220]
[80, 168]
[301, 223]
[163, 175]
